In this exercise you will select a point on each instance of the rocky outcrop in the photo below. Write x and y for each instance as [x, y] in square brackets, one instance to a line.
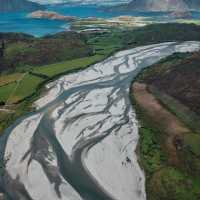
[18, 5]
[50, 15]
[181, 14]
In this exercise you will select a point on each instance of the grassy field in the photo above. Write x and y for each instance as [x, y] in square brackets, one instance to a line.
[103, 46]
[15, 89]
[25, 87]
[5, 91]
[62, 67]
[7, 79]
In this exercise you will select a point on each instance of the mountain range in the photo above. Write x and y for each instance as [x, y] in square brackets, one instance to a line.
[159, 5]
[193, 4]
[19, 5]
[83, 2]
[124, 5]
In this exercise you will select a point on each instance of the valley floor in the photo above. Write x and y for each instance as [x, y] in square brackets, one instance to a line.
[22, 82]
[83, 127]
[171, 175]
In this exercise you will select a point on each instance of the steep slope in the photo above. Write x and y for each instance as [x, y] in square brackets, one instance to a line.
[24, 50]
[159, 5]
[18, 5]
[183, 75]
[167, 98]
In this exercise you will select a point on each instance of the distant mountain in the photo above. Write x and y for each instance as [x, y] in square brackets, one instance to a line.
[193, 4]
[159, 5]
[18, 5]
[82, 2]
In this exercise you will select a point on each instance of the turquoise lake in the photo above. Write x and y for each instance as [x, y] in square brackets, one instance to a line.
[19, 22]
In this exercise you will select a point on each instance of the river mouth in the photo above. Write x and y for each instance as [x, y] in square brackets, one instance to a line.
[80, 142]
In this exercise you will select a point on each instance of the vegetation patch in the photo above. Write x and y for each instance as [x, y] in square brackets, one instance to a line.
[26, 87]
[172, 184]
[58, 68]
[166, 180]
[10, 78]
[5, 91]
[151, 155]
[22, 52]
[163, 180]
[174, 81]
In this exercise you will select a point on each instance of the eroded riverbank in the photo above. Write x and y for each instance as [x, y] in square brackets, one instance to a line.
[80, 142]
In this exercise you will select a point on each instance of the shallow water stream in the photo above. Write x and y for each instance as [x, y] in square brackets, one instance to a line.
[81, 141]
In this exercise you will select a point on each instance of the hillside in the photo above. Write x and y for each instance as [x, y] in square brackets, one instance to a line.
[167, 102]
[23, 51]
[159, 5]
[183, 76]
[18, 5]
